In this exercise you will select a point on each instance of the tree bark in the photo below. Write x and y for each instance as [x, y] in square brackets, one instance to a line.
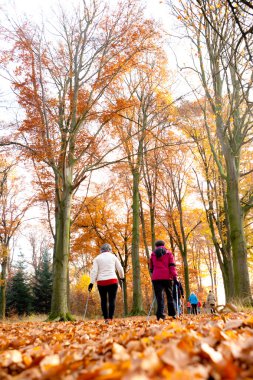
[152, 225]
[186, 275]
[238, 242]
[59, 305]
[137, 294]
[125, 298]
[144, 234]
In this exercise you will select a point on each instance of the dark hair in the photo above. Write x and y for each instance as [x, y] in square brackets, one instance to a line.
[159, 243]
[160, 251]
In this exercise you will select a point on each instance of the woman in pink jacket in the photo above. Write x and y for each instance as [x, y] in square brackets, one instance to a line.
[163, 269]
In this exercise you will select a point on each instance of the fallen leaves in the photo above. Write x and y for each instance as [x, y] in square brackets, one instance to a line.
[199, 347]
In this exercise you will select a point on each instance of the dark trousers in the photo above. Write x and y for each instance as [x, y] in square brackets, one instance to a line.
[108, 293]
[161, 287]
[194, 308]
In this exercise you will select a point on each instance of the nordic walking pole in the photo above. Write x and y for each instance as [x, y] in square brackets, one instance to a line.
[177, 300]
[86, 305]
[123, 294]
[151, 307]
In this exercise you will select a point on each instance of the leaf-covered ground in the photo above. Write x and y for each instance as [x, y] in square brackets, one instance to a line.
[200, 347]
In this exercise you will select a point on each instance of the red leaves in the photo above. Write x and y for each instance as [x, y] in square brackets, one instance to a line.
[129, 349]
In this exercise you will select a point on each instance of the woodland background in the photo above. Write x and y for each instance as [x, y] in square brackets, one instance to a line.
[99, 144]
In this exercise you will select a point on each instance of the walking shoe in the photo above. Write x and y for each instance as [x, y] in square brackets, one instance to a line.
[161, 318]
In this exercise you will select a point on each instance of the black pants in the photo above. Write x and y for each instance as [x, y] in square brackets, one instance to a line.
[161, 287]
[108, 292]
[194, 308]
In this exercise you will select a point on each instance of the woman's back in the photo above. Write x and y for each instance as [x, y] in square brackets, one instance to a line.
[193, 299]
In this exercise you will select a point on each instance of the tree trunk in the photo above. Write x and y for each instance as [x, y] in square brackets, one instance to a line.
[228, 279]
[125, 298]
[186, 276]
[152, 225]
[137, 295]
[238, 243]
[144, 235]
[3, 288]
[59, 305]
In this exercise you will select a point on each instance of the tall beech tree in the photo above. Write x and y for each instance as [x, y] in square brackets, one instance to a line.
[226, 77]
[172, 192]
[61, 82]
[145, 110]
[213, 193]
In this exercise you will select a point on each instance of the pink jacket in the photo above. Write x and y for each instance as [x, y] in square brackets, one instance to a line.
[163, 268]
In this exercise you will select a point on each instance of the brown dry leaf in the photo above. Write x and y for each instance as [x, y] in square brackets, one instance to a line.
[198, 371]
[119, 352]
[4, 343]
[231, 307]
[48, 362]
[150, 361]
[174, 356]
[215, 356]
[9, 357]
[29, 374]
[134, 345]
[233, 324]
[136, 376]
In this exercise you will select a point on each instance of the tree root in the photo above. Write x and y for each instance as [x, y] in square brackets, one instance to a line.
[135, 313]
[55, 317]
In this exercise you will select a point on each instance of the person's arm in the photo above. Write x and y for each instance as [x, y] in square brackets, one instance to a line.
[172, 266]
[94, 272]
[120, 269]
[151, 265]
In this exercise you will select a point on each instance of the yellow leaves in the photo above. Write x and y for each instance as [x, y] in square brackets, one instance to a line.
[83, 282]
[4, 250]
[27, 360]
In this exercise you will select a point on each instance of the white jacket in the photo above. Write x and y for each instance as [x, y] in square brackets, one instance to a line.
[105, 266]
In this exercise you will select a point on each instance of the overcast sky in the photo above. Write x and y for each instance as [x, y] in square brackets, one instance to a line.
[34, 7]
[177, 49]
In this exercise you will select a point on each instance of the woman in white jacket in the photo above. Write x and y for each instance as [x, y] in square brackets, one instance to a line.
[104, 272]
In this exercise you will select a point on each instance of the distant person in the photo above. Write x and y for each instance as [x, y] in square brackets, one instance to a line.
[193, 299]
[178, 293]
[199, 307]
[104, 272]
[163, 270]
[188, 305]
[211, 301]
